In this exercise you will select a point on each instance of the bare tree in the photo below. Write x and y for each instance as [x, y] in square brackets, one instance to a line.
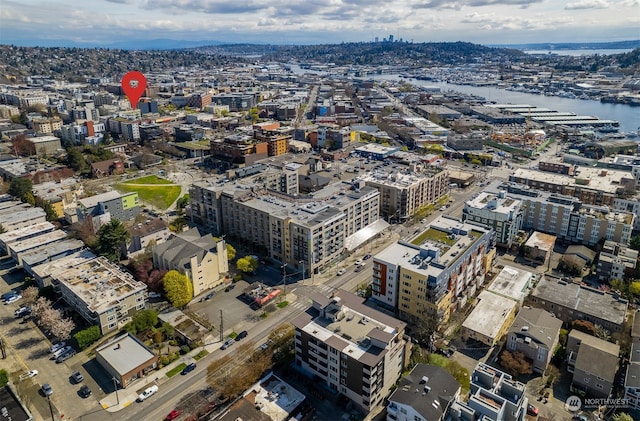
[41, 304]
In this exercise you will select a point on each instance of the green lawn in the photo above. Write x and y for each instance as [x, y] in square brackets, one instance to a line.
[160, 197]
[433, 235]
[200, 354]
[150, 179]
[175, 370]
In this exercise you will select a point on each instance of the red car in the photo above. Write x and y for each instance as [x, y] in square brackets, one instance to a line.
[172, 415]
[532, 410]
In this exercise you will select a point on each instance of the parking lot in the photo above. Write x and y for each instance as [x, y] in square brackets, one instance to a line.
[28, 349]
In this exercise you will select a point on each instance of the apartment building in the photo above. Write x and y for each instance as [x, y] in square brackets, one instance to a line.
[593, 363]
[490, 319]
[405, 189]
[202, 259]
[592, 186]
[535, 333]
[99, 291]
[494, 396]
[566, 217]
[239, 149]
[312, 230]
[568, 302]
[45, 145]
[435, 272]
[504, 214]
[616, 261]
[353, 349]
[46, 125]
[123, 207]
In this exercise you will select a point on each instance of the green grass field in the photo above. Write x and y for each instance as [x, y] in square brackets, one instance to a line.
[175, 370]
[150, 179]
[159, 196]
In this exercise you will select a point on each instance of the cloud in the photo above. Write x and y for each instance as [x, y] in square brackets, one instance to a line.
[121, 1]
[457, 5]
[587, 4]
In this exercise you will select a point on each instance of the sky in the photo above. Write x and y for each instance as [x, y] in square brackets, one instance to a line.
[488, 22]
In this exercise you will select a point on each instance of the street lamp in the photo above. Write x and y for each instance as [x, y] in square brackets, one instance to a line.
[115, 386]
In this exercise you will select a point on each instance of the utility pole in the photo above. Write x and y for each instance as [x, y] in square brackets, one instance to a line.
[221, 326]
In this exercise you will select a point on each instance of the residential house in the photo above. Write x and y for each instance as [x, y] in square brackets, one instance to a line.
[593, 362]
[535, 333]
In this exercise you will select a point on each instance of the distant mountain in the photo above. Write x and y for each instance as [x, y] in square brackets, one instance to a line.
[615, 45]
[139, 44]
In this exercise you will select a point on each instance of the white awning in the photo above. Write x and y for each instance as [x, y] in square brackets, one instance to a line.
[362, 236]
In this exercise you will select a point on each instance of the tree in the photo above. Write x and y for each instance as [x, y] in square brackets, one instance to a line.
[515, 363]
[76, 161]
[111, 238]
[142, 320]
[634, 288]
[177, 288]
[247, 264]
[86, 337]
[2, 229]
[182, 202]
[4, 377]
[19, 188]
[46, 205]
[29, 294]
[635, 242]
[622, 416]
[584, 326]
[231, 252]
[63, 327]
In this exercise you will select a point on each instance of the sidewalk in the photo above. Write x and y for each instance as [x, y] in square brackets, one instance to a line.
[122, 398]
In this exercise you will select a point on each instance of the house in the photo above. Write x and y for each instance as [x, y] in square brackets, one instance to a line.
[425, 393]
[126, 359]
[107, 168]
[593, 362]
[535, 333]
[616, 261]
[200, 257]
[151, 232]
[538, 247]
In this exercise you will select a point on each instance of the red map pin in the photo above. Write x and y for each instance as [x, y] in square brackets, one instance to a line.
[133, 85]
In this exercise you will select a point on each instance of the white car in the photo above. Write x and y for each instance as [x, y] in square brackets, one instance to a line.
[147, 392]
[56, 347]
[359, 262]
[62, 351]
[28, 374]
[12, 299]
[341, 272]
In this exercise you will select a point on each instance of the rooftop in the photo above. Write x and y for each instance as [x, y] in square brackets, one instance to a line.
[30, 231]
[498, 203]
[538, 324]
[40, 240]
[596, 356]
[124, 353]
[92, 201]
[489, 315]
[511, 283]
[582, 299]
[541, 241]
[99, 283]
[609, 181]
[275, 397]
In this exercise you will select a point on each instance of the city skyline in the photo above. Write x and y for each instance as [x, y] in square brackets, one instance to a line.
[108, 22]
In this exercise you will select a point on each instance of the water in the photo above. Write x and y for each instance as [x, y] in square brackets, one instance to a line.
[577, 53]
[629, 117]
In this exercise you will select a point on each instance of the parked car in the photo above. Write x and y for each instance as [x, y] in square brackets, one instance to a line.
[61, 351]
[241, 335]
[172, 415]
[155, 295]
[56, 347]
[532, 410]
[28, 374]
[188, 369]
[265, 345]
[77, 376]
[64, 357]
[12, 299]
[359, 268]
[209, 295]
[359, 262]
[227, 344]
[23, 311]
[341, 272]
[147, 392]
[580, 417]
[84, 391]
[366, 257]
[7, 295]
[46, 389]
[229, 287]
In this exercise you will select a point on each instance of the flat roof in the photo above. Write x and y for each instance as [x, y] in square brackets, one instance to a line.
[541, 241]
[490, 314]
[494, 202]
[511, 283]
[25, 232]
[99, 283]
[23, 215]
[604, 179]
[50, 251]
[125, 353]
[275, 397]
[583, 299]
[33, 242]
[91, 201]
[42, 139]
